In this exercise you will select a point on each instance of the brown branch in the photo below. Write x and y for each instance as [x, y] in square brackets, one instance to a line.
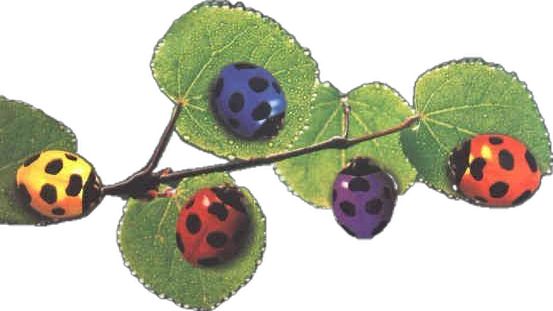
[145, 180]
[333, 143]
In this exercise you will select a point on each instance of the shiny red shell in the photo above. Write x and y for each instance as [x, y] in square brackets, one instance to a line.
[212, 226]
[495, 170]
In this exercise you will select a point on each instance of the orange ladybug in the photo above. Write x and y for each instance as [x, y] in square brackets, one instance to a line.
[213, 226]
[495, 170]
[58, 184]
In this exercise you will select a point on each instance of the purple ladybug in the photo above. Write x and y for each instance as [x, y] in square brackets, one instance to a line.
[363, 198]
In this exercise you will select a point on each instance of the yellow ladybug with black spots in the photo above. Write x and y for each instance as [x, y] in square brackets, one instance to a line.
[59, 185]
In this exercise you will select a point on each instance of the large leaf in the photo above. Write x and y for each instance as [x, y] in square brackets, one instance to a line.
[200, 43]
[25, 131]
[147, 241]
[460, 99]
[374, 107]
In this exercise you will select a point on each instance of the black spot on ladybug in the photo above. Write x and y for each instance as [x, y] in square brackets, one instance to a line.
[31, 159]
[523, 197]
[189, 204]
[231, 196]
[359, 184]
[193, 223]
[70, 157]
[506, 160]
[216, 239]
[531, 161]
[348, 230]
[373, 207]
[209, 261]
[387, 192]
[219, 210]
[23, 195]
[480, 199]
[91, 193]
[270, 127]
[277, 87]
[380, 227]
[241, 66]
[236, 102]
[75, 185]
[48, 194]
[334, 195]
[233, 122]
[360, 167]
[218, 87]
[477, 168]
[58, 211]
[348, 208]
[262, 111]
[180, 243]
[239, 237]
[459, 161]
[494, 140]
[499, 189]
[258, 84]
[54, 167]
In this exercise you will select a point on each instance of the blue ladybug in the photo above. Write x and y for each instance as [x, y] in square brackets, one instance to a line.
[249, 101]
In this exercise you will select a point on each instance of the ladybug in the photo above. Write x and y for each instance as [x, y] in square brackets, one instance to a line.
[363, 198]
[494, 170]
[59, 185]
[212, 226]
[249, 101]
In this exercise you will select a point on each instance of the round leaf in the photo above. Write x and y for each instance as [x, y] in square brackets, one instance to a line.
[200, 43]
[460, 99]
[25, 131]
[147, 242]
[374, 107]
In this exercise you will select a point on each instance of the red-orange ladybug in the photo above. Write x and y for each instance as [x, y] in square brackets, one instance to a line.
[495, 170]
[212, 226]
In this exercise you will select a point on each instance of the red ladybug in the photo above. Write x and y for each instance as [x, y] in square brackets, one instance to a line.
[212, 226]
[495, 170]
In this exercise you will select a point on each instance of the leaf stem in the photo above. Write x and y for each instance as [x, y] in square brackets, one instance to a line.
[338, 142]
[138, 184]
[145, 180]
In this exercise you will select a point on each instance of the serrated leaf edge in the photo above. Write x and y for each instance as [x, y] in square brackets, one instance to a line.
[494, 66]
[343, 100]
[241, 7]
[43, 222]
[161, 295]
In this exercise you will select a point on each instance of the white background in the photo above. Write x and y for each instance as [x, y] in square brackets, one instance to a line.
[87, 64]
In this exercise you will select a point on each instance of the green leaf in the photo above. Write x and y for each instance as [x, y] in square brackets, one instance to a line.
[460, 99]
[374, 107]
[25, 131]
[200, 43]
[147, 241]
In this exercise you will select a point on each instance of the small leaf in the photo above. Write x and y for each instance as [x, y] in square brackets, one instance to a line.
[147, 242]
[374, 107]
[460, 99]
[200, 43]
[25, 131]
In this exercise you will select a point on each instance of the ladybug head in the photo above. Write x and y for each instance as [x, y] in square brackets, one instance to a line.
[458, 162]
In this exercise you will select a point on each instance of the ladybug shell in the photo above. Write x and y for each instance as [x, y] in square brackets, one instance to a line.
[364, 197]
[212, 226]
[495, 170]
[249, 101]
[58, 185]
